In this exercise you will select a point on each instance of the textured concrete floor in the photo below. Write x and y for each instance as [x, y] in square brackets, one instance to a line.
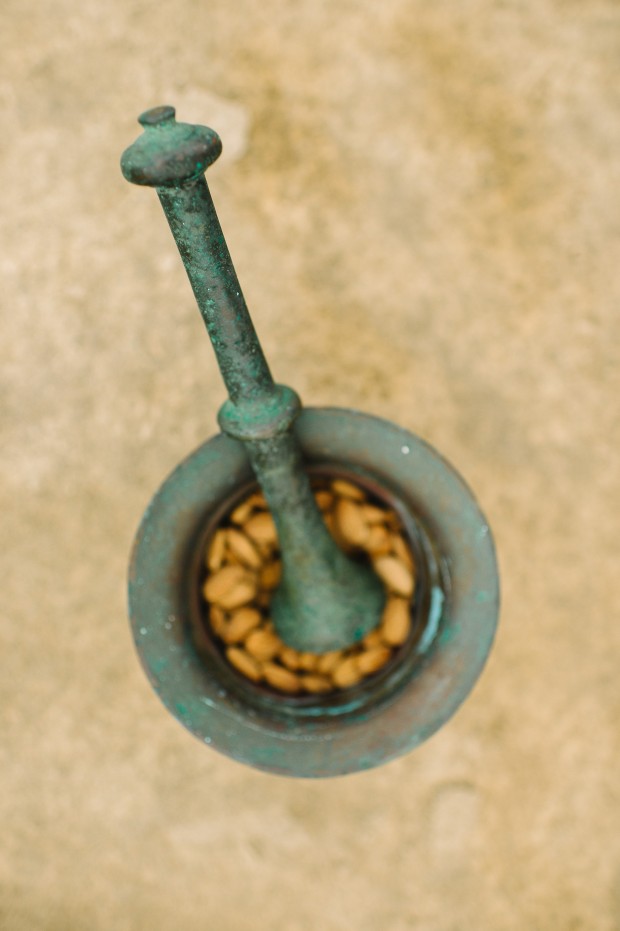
[422, 202]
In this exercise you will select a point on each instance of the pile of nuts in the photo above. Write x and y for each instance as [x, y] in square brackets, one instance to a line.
[243, 568]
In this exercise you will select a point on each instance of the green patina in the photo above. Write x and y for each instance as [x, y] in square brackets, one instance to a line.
[325, 600]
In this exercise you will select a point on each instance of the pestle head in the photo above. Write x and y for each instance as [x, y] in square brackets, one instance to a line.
[168, 154]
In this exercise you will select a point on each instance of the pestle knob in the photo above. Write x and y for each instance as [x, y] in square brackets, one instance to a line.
[169, 153]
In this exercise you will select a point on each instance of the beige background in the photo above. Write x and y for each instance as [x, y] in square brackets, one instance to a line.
[422, 202]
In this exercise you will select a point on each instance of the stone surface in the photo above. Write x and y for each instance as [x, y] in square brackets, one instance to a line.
[422, 203]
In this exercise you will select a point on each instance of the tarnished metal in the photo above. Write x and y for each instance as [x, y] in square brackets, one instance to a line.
[367, 725]
[325, 600]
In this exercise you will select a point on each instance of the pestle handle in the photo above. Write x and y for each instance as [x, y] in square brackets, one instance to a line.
[172, 157]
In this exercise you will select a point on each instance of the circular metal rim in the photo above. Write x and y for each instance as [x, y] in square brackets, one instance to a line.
[427, 485]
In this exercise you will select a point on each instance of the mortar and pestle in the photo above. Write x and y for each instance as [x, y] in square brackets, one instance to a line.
[326, 600]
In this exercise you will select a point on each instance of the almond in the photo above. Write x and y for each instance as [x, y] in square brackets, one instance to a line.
[240, 625]
[396, 621]
[378, 542]
[217, 618]
[396, 575]
[244, 663]
[347, 490]
[334, 528]
[309, 661]
[316, 684]
[372, 660]
[240, 545]
[373, 514]
[281, 678]
[373, 639]
[262, 529]
[262, 645]
[328, 661]
[243, 510]
[240, 594]
[289, 657]
[351, 523]
[346, 673]
[222, 581]
[217, 550]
